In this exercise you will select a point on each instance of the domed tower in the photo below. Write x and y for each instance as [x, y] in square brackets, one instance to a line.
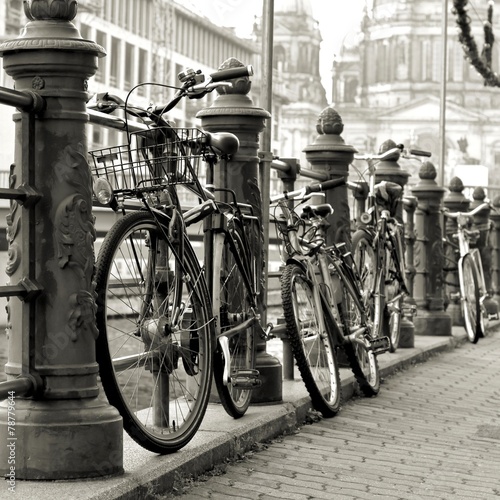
[297, 42]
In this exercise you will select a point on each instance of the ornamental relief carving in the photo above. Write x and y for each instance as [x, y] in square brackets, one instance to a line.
[74, 235]
[13, 220]
[63, 10]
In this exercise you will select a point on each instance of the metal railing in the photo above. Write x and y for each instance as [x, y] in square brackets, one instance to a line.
[23, 195]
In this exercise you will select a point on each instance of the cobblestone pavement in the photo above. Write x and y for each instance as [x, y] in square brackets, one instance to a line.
[433, 432]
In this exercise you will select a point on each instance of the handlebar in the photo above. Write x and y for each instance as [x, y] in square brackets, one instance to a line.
[399, 149]
[193, 86]
[456, 215]
[317, 187]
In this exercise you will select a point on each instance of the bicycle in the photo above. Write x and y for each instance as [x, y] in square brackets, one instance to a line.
[378, 249]
[167, 323]
[322, 302]
[467, 262]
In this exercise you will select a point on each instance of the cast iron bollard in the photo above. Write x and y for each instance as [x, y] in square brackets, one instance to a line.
[455, 201]
[233, 111]
[390, 170]
[428, 290]
[360, 196]
[482, 223]
[329, 154]
[62, 431]
[495, 247]
[407, 338]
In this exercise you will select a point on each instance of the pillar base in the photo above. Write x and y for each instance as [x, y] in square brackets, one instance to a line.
[432, 323]
[64, 439]
[455, 312]
[271, 374]
[407, 335]
[491, 306]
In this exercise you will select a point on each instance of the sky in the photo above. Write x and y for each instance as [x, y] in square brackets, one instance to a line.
[338, 21]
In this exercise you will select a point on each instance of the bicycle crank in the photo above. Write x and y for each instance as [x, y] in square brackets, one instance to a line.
[380, 345]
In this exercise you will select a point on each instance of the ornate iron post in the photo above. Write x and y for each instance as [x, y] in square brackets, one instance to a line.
[455, 201]
[330, 155]
[233, 111]
[482, 223]
[495, 247]
[428, 290]
[63, 430]
[407, 338]
[390, 170]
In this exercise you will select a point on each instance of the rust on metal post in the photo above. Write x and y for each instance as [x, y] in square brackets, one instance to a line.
[428, 289]
[52, 331]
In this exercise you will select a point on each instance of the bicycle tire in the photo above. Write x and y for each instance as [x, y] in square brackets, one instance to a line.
[393, 306]
[139, 350]
[471, 305]
[314, 351]
[372, 279]
[232, 305]
[361, 358]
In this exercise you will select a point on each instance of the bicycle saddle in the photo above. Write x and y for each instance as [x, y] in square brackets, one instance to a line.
[224, 142]
[388, 194]
[310, 211]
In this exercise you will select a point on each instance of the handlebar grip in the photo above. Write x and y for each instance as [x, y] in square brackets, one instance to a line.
[418, 152]
[229, 74]
[325, 186]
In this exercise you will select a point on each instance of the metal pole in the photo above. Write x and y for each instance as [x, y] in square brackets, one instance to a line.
[442, 110]
[267, 94]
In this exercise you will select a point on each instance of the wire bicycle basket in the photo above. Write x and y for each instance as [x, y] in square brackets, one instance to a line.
[151, 161]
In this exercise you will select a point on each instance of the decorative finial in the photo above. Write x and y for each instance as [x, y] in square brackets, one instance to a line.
[478, 194]
[456, 185]
[386, 146]
[329, 122]
[427, 171]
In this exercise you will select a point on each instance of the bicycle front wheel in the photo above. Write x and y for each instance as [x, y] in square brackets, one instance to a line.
[155, 333]
[232, 305]
[371, 276]
[471, 305]
[310, 340]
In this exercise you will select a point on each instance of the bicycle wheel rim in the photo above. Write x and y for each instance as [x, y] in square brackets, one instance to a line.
[312, 344]
[392, 313]
[362, 360]
[471, 306]
[232, 306]
[155, 373]
[365, 259]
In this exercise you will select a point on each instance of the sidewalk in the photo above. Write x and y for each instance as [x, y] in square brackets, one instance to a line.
[220, 437]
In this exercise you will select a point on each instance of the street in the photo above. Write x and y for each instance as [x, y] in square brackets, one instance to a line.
[433, 432]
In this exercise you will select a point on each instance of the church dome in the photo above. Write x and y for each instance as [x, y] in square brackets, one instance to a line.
[298, 7]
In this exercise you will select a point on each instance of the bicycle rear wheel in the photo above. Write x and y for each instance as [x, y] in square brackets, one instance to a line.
[360, 355]
[155, 341]
[232, 305]
[372, 279]
[311, 343]
[471, 305]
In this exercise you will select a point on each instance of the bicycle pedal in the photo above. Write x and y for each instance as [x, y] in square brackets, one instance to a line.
[380, 345]
[493, 316]
[246, 379]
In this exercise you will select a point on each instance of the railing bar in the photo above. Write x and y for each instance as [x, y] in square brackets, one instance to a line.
[304, 172]
[12, 194]
[12, 290]
[17, 99]
[21, 386]
[115, 122]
